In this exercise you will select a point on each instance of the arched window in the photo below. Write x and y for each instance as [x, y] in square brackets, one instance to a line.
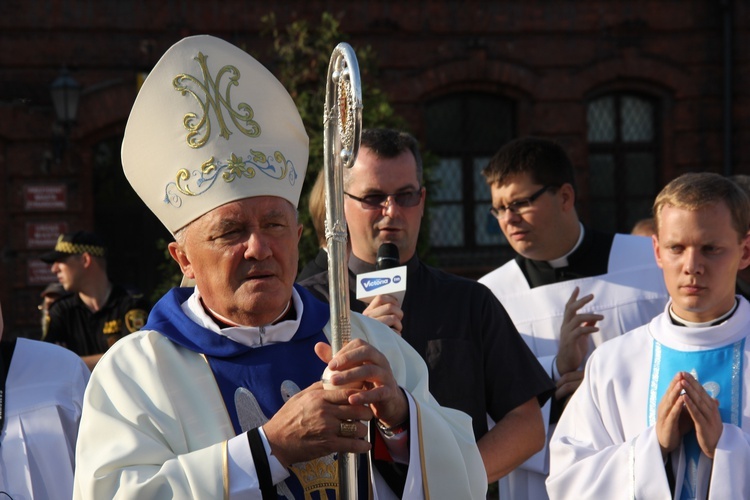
[623, 161]
[464, 130]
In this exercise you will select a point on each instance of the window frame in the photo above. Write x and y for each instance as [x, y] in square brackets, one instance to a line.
[619, 150]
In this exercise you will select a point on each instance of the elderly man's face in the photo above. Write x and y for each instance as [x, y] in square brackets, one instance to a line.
[243, 257]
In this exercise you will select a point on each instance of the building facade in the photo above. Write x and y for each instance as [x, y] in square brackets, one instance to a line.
[637, 91]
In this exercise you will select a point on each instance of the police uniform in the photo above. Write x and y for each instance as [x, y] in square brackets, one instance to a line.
[86, 332]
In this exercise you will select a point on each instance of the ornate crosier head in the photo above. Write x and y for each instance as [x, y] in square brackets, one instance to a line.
[212, 125]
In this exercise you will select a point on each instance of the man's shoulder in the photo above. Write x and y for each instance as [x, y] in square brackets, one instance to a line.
[46, 354]
[317, 285]
[129, 298]
[501, 272]
[506, 279]
[631, 252]
[130, 305]
[445, 278]
[140, 342]
[623, 346]
[65, 304]
[451, 287]
[127, 292]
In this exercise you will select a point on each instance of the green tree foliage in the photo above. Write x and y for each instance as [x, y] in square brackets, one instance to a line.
[301, 53]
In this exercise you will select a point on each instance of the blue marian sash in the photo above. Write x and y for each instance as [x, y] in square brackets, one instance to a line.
[719, 371]
[256, 382]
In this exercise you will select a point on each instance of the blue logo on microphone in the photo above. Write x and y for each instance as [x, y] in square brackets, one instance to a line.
[374, 283]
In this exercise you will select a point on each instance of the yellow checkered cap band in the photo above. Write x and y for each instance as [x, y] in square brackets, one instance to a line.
[73, 248]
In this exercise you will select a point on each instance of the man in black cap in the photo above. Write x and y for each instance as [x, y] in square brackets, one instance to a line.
[97, 312]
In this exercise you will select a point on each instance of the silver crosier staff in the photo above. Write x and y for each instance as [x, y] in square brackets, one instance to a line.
[342, 122]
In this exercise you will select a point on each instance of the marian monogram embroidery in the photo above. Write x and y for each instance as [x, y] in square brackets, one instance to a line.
[215, 104]
[208, 96]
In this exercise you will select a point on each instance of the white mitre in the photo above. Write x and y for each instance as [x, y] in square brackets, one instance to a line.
[211, 125]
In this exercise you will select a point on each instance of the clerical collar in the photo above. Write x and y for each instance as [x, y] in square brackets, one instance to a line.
[563, 261]
[224, 322]
[280, 330]
[717, 321]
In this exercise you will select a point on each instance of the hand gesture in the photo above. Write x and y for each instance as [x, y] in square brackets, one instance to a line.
[386, 309]
[671, 422]
[574, 333]
[704, 411]
[685, 406]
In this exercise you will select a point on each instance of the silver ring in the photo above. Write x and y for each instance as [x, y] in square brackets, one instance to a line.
[347, 429]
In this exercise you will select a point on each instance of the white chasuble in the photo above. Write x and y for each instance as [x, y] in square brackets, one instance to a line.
[155, 425]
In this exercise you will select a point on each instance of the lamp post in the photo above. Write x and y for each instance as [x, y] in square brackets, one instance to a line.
[65, 92]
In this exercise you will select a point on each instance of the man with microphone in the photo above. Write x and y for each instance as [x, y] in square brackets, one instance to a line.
[477, 361]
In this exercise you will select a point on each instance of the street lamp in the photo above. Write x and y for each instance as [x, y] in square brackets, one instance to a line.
[65, 92]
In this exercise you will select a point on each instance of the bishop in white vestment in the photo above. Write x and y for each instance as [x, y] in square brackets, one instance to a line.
[220, 395]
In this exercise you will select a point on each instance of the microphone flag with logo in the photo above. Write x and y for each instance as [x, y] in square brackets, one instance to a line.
[389, 276]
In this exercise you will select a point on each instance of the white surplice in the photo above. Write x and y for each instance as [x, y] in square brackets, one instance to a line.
[604, 447]
[44, 396]
[630, 294]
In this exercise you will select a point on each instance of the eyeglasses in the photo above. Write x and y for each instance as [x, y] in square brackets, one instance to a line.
[519, 207]
[379, 201]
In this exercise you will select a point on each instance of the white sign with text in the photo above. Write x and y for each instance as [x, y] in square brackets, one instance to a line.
[387, 281]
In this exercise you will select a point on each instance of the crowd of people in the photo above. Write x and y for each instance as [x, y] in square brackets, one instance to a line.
[592, 365]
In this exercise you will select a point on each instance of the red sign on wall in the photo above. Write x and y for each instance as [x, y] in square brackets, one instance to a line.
[45, 197]
[44, 234]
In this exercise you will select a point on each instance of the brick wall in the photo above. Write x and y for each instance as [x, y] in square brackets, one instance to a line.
[550, 57]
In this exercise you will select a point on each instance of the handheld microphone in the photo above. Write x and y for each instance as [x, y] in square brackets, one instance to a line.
[387, 257]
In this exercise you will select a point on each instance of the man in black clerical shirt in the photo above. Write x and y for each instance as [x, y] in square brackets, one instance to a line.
[477, 361]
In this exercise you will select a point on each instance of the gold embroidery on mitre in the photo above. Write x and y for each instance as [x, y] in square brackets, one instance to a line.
[135, 319]
[199, 128]
[319, 475]
[197, 182]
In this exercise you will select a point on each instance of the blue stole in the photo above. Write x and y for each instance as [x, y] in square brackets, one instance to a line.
[256, 381]
[720, 373]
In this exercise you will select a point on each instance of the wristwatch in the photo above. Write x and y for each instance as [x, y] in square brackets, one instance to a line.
[393, 430]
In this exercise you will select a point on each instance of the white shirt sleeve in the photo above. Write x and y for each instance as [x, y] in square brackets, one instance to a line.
[243, 479]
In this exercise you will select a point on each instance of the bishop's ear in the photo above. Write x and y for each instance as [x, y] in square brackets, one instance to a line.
[179, 256]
